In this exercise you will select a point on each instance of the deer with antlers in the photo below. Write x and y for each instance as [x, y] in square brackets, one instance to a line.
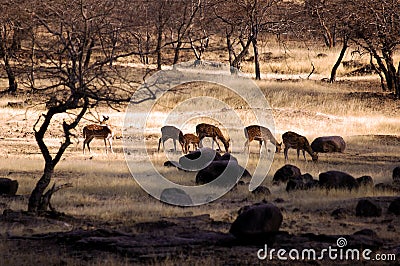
[205, 130]
[261, 134]
[101, 131]
[298, 142]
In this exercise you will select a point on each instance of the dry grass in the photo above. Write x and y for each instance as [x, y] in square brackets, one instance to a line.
[104, 191]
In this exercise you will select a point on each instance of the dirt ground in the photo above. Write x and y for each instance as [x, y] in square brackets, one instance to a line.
[94, 231]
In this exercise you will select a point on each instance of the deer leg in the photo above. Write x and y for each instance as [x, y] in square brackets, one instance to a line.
[214, 139]
[201, 141]
[110, 142]
[285, 152]
[88, 142]
[159, 144]
[174, 144]
[247, 146]
[298, 153]
[304, 155]
[105, 145]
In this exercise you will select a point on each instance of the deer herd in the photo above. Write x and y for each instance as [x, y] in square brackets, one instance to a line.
[253, 132]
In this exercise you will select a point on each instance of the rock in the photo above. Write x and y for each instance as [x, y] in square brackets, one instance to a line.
[258, 222]
[368, 208]
[176, 196]
[394, 207]
[396, 174]
[306, 177]
[198, 159]
[232, 174]
[285, 173]
[311, 184]
[339, 213]
[294, 184]
[8, 186]
[261, 190]
[337, 180]
[328, 144]
[366, 181]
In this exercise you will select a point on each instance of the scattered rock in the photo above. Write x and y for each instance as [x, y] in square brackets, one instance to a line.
[176, 196]
[394, 207]
[198, 159]
[337, 180]
[8, 187]
[258, 222]
[365, 181]
[279, 200]
[285, 173]
[322, 55]
[368, 208]
[339, 213]
[261, 190]
[328, 144]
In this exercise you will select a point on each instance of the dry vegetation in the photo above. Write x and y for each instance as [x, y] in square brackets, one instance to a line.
[104, 194]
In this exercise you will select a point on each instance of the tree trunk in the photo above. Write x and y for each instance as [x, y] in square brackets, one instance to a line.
[256, 59]
[159, 44]
[12, 84]
[177, 51]
[42, 184]
[339, 60]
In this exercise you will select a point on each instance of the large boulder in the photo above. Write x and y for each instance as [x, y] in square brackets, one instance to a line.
[198, 159]
[368, 208]
[227, 172]
[285, 173]
[328, 144]
[176, 196]
[8, 187]
[257, 222]
[337, 180]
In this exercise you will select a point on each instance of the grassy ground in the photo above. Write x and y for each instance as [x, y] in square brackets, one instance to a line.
[105, 194]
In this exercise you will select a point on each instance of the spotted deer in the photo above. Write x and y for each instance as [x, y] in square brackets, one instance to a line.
[94, 131]
[205, 130]
[261, 134]
[296, 141]
[171, 132]
[190, 139]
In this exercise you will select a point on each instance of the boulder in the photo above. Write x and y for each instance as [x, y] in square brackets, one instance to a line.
[261, 190]
[368, 208]
[215, 169]
[176, 196]
[328, 144]
[257, 222]
[394, 207]
[337, 180]
[365, 181]
[285, 173]
[8, 187]
[192, 161]
[295, 184]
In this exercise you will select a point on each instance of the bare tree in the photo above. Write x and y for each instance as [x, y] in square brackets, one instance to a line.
[76, 44]
[247, 19]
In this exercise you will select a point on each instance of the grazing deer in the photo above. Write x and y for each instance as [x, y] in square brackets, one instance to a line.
[206, 130]
[93, 131]
[296, 141]
[190, 139]
[171, 132]
[261, 134]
